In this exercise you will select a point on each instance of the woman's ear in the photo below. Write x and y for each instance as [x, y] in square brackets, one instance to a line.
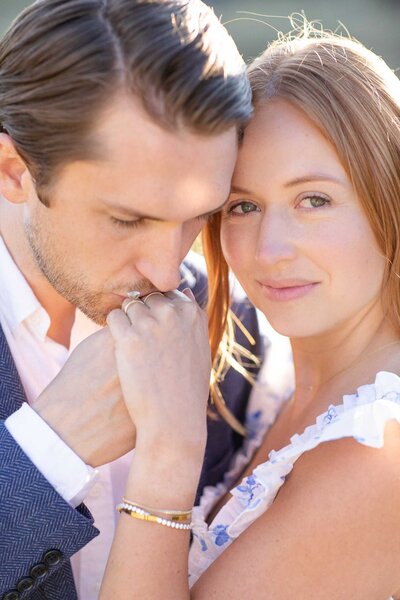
[14, 174]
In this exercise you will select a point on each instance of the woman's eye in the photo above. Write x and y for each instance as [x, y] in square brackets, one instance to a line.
[242, 208]
[313, 202]
[125, 224]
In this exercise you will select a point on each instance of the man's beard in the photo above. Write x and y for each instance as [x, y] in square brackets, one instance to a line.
[73, 287]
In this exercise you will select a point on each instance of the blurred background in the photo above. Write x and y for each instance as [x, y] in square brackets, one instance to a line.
[253, 23]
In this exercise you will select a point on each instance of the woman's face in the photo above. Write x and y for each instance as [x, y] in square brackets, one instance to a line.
[294, 232]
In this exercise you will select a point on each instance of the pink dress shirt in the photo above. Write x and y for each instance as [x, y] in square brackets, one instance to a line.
[25, 324]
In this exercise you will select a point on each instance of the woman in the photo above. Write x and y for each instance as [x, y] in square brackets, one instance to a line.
[311, 230]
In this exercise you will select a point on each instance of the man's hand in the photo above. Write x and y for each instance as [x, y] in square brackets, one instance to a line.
[84, 403]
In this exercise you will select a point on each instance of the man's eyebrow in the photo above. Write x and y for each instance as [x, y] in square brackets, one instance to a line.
[136, 214]
[129, 212]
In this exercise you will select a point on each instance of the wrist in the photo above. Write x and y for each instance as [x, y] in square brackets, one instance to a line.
[170, 480]
[59, 422]
[171, 447]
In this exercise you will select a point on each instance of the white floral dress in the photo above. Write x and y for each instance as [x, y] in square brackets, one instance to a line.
[361, 416]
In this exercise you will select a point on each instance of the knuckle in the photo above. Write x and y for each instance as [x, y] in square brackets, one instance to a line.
[149, 325]
[168, 313]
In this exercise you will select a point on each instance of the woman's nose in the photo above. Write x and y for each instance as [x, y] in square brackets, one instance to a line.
[276, 237]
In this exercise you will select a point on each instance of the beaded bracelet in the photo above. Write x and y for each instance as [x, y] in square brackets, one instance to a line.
[139, 513]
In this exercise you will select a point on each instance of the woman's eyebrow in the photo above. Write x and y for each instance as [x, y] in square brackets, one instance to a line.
[314, 177]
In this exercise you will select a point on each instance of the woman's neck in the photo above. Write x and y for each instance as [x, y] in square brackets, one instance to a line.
[346, 357]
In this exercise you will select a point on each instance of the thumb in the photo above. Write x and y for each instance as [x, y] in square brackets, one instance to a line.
[118, 322]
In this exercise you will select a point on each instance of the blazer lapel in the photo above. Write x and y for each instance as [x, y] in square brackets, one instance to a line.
[12, 393]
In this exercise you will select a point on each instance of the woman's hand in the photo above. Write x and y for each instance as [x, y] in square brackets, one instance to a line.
[163, 360]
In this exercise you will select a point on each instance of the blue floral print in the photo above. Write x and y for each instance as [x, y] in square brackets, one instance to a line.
[254, 424]
[247, 489]
[202, 542]
[221, 536]
[393, 396]
[331, 415]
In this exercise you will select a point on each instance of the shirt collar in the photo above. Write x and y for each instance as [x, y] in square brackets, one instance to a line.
[18, 303]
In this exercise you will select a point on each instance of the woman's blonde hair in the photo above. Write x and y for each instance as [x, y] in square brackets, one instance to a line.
[353, 97]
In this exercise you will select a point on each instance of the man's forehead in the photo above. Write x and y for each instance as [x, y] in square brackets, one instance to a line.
[126, 125]
[147, 191]
[155, 172]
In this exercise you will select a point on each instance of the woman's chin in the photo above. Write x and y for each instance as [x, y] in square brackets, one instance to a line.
[293, 328]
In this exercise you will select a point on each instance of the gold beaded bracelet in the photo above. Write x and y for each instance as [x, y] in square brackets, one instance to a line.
[178, 516]
[139, 513]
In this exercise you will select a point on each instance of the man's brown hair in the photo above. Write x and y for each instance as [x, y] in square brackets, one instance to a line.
[62, 61]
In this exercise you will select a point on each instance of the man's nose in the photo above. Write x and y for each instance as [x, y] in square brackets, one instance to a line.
[161, 258]
[276, 239]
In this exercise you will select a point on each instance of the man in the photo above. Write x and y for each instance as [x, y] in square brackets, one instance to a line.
[119, 123]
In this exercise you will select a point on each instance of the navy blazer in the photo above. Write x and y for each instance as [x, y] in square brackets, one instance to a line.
[39, 531]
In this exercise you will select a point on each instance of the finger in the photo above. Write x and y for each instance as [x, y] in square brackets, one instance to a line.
[176, 296]
[156, 299]
[188, 292]
[118, 322]
[134, 308]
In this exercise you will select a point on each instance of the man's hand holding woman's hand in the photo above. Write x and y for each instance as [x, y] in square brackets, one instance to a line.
[143, 380]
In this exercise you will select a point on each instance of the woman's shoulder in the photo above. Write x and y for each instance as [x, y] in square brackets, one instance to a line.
[336, 484]
[348, 462]
[366, 420]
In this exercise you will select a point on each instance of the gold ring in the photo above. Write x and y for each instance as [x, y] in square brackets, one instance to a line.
[130, 303]
[152, 294]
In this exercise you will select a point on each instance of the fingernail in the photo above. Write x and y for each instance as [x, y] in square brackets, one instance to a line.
[188, 292]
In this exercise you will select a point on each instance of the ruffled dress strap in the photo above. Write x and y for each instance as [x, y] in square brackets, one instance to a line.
[362, 416]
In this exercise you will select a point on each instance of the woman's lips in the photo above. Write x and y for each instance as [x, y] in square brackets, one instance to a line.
[285, 292]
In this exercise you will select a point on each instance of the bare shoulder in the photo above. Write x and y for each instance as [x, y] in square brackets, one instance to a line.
[352, 466]
[333, 531]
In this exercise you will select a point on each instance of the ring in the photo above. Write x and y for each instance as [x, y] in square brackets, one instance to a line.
[129, 304]
[134, 294]
[152, 294]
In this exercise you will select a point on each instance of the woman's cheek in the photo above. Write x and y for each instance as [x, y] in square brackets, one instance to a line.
[233, 247]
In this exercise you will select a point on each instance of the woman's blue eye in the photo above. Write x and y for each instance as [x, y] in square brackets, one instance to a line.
[242, 208]
[313, 202]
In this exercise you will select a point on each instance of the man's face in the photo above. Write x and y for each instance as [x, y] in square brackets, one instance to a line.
[125, 222]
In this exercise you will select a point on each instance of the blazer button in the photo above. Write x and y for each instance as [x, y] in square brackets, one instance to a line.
[52, 557]
[11, 595]
[38, 571]
[25, 584]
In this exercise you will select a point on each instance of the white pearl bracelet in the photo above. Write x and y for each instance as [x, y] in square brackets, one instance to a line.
[139, 513]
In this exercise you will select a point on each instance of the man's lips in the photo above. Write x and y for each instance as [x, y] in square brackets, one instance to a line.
[287, 289]
[124, 295]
